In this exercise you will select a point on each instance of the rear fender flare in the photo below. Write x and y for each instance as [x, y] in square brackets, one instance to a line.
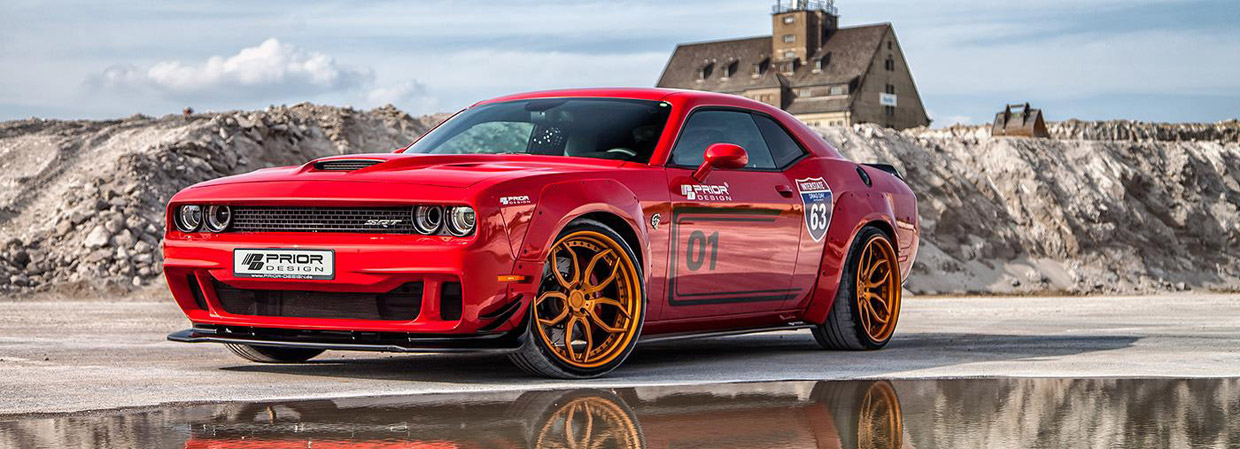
[852, 212]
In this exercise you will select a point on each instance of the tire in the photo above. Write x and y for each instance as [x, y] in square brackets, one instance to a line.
[271, 354]
[565, 309]
[846, 327]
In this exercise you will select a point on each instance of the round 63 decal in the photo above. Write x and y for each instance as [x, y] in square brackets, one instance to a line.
[817, 197]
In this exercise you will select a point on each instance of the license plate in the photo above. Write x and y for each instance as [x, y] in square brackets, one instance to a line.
[315, 264]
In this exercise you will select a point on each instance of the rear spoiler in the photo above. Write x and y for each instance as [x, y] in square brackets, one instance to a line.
[887, 168]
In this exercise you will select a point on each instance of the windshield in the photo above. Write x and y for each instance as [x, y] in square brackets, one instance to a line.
[604, 128]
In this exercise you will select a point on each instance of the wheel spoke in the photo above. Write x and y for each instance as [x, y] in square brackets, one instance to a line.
[599, 286]
[585, 324]
[549, 295]
[599, 322]
[611, 302]
[865, 314]
[573, 265]
[568, 337]
[556, 320]
[869, 274]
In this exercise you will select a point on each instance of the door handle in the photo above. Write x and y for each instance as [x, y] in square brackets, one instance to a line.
[784, 190]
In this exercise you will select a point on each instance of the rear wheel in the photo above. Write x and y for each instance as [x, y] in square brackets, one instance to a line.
[270, 354]
[590, 306]
[867, 305]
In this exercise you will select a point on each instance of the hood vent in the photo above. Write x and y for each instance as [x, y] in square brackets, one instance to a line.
[345, 164]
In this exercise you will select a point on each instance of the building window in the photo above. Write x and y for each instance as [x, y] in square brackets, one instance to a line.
[891, 89]
[818, 64]
[729, 69]
[837, 90]
[889, 45]
[889, 111]
[789, 20]
[760, 68]
[790, 55]
[705, 71]
[790, 38]
[891, 64]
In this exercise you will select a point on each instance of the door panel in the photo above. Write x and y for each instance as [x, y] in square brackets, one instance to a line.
[732, 251]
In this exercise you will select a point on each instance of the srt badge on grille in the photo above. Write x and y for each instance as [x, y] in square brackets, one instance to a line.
[387, 223]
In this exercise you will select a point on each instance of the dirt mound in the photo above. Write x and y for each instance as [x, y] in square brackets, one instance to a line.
[1006, 215]
[1152, 208]
[82, 202]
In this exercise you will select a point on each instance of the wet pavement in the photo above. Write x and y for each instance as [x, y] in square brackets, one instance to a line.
[968, 413]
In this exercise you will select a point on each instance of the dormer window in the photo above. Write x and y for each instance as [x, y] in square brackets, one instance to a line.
[759, 69]
[705, 70]
[729, 69]
[818, 65]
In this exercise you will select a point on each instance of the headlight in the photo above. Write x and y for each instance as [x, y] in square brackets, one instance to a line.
[188, 217]
[218, 218]
[427, 219]
[461, 221]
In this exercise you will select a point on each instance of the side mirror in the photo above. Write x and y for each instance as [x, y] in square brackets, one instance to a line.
[723, 156]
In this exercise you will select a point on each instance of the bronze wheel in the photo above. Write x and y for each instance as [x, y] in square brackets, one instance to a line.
[867, 303]
[878, 289]
[590, 305]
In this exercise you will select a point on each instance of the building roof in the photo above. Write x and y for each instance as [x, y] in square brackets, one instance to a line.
[849, 53]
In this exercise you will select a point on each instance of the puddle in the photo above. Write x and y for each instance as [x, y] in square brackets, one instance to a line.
[1039, 413]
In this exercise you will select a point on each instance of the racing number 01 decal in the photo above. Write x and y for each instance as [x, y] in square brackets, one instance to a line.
[817, 197]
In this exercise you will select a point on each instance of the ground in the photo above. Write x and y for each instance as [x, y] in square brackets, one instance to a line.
[67, 356]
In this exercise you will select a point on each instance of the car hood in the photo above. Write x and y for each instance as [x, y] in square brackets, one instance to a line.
[455, 170]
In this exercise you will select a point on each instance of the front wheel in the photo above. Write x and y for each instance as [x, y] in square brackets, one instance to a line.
[271, 354]
[867, 304]
[590, 306]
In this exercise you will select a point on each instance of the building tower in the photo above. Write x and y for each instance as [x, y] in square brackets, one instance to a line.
[800, 27]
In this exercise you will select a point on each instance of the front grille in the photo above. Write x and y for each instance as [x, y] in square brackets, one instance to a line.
[401, 304]
[380, 220]
[345, 164]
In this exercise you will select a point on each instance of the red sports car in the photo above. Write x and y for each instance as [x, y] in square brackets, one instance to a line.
[558, 227]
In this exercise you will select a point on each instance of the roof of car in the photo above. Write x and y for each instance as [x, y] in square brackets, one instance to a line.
[637, 93]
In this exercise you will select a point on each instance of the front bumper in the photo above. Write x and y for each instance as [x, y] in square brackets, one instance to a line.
[351, 340]
[196, 264]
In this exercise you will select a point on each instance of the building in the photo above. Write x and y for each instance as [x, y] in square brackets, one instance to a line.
[824, 74]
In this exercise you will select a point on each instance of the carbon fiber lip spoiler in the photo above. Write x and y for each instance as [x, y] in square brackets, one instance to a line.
[349, 341]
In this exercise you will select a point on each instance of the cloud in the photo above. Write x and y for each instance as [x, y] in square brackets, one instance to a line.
[410, 94]
[272, 70]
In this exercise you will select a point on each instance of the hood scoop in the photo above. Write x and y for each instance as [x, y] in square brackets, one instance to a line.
[345, 164]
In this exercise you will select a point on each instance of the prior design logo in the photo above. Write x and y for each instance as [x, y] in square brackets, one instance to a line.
[515, 200]
[817, 197]
[284, 263]
[706, 192]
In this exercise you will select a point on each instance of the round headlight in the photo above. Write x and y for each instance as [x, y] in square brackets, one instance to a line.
[461, 221]
[188, 218]
[218, 218]
[427, 219]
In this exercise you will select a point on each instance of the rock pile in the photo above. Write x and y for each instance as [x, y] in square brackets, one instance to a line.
[83, 208]
[1011, 215]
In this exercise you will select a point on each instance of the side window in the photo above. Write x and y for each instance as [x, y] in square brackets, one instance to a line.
[706, 128]
[784, 149]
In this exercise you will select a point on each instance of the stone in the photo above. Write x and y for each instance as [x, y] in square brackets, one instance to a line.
[97, 238]
[123, 239]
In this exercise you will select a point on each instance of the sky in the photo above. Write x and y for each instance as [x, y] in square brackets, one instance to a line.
[1153, 60]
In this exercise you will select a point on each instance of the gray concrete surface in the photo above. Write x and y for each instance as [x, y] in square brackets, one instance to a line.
[75, 356]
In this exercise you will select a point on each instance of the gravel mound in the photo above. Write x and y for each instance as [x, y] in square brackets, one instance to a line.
[81, 202]
[1104, 207]
[1011, 215]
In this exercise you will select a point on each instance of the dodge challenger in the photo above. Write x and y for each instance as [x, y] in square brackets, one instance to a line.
[560, 228]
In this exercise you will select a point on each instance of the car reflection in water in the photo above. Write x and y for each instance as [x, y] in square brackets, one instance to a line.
[819, 415]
